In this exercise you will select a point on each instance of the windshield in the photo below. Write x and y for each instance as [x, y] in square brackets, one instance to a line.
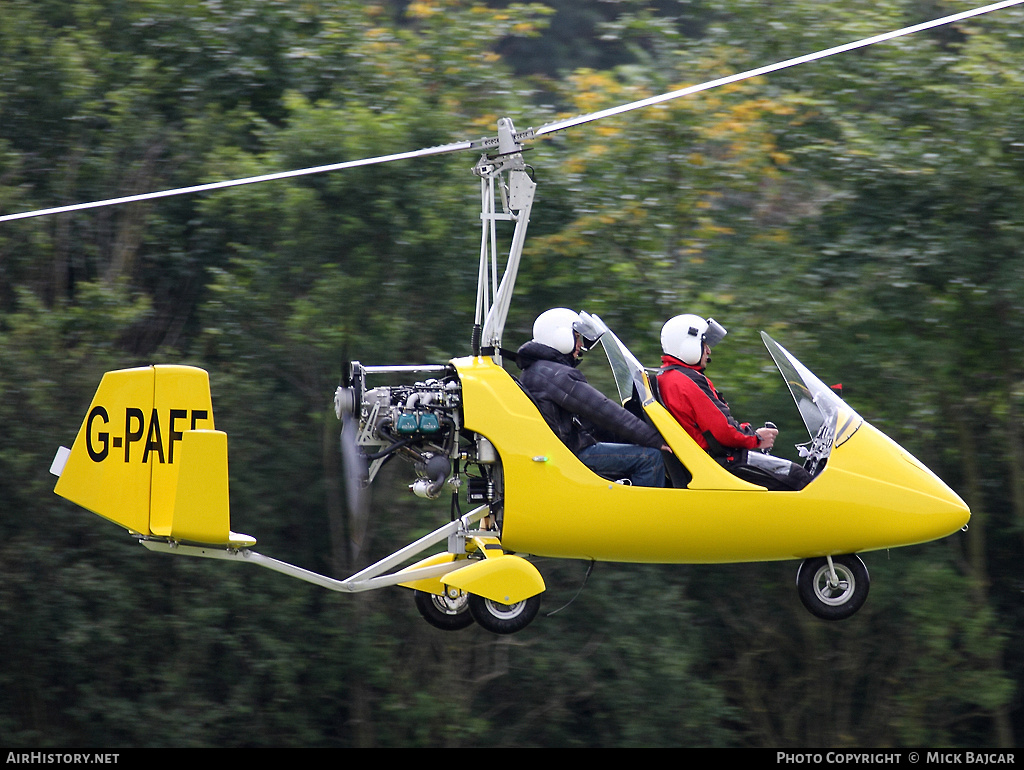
[817, 403]
[626, 369]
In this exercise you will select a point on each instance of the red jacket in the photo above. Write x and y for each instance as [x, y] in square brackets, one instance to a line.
[699, 408]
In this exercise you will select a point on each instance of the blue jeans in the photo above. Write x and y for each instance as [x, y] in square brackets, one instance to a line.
[642, 465]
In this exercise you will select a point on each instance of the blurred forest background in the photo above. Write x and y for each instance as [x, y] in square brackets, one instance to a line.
[867, 210]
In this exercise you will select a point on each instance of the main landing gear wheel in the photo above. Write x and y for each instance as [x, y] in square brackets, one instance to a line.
[830, 599]
[449, 612]
[501, 618]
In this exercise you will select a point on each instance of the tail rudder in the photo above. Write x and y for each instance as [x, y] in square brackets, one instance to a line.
[148, 457]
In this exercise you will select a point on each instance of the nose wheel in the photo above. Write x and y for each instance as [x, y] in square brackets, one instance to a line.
[833, 588]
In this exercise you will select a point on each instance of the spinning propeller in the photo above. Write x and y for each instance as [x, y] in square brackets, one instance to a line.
[511, 143]
[355, 467]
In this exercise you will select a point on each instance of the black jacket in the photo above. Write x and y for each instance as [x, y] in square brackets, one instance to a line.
[573, 408]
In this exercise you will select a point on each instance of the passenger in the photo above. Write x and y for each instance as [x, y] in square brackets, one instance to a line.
[576, 411]
[689, 396]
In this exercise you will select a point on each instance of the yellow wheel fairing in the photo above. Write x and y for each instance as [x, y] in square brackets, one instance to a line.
[500, 577]
[507, 579]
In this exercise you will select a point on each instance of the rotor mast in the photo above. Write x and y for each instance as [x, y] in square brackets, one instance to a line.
[506, 171]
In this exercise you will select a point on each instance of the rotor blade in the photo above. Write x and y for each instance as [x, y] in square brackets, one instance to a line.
[490, 143]
[579, 120]
[439, 150]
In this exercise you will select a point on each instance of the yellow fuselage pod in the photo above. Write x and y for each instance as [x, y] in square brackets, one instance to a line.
[872, 494]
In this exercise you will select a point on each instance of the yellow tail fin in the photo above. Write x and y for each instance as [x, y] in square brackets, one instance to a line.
[147, 457]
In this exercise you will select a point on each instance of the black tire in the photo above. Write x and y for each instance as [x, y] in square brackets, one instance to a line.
[501, 618]
[444, 612]
[830, 602]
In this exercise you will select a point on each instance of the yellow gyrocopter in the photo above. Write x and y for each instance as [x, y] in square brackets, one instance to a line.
[149, 457]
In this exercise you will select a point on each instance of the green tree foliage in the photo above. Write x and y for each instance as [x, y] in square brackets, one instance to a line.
[866, 210]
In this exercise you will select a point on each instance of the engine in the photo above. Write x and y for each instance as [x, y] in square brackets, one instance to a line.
[418, 422]
[422, 424]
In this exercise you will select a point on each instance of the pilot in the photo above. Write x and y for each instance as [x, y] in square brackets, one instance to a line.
[579, 414]
[689, 396]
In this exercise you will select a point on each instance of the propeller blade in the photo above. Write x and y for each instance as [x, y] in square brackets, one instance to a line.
[356, 477]
[561, 125]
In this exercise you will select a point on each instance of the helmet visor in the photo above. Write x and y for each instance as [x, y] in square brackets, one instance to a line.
[715, 333]
[590, 328]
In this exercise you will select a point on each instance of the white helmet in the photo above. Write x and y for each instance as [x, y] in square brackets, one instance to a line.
[685, 335]
[557, 328]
